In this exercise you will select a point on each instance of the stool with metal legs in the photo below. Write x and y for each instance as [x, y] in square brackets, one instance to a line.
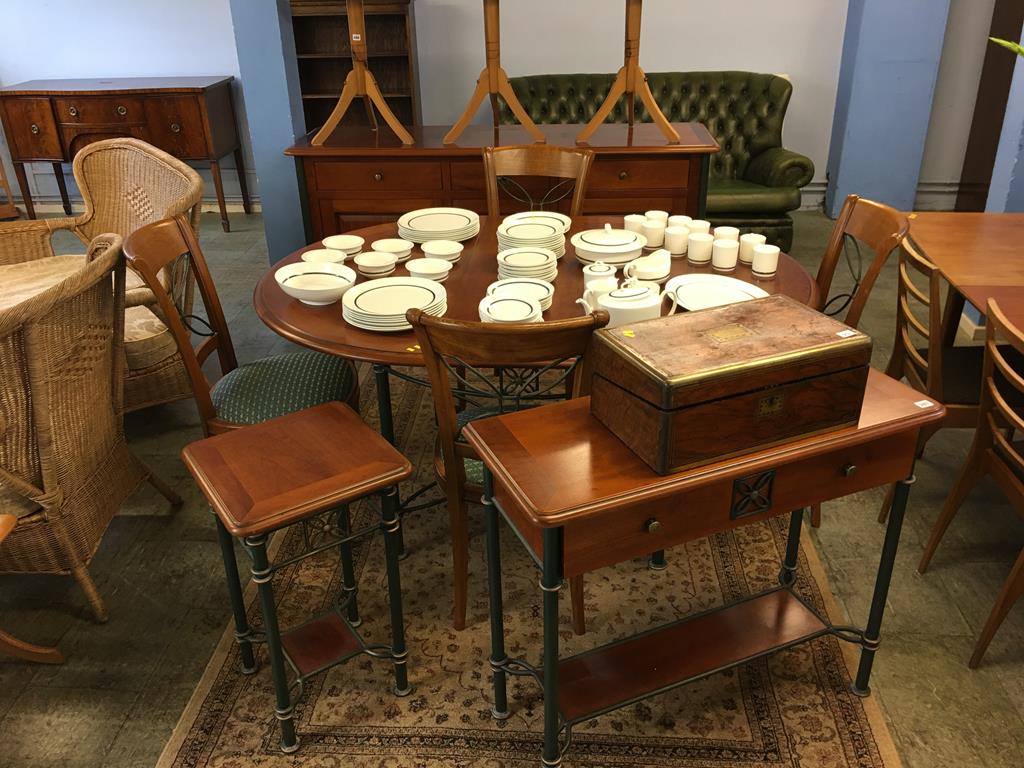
[303, 469]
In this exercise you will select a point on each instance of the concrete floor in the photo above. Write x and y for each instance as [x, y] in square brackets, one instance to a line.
[116, 700]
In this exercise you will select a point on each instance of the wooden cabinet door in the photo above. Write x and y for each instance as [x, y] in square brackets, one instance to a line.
[31, 129]
[175, 124]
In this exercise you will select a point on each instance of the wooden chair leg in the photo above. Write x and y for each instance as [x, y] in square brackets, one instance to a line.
[161, 487]
[1012, 589]
[459, 523]
[99, 608]
[579, 619]
[972, 472]
[883, 513]
[816, 516]
[19, 649]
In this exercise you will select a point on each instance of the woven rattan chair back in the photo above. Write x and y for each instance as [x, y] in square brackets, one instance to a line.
[879, 227]
[172, 245]
[569, 163]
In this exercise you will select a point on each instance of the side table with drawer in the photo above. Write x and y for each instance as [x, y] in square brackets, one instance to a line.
[192, 118]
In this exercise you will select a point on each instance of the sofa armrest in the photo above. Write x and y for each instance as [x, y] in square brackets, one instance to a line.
[30, 240]
[778, 167]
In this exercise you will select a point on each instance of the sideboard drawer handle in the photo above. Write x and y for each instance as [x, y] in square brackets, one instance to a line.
[378, 176]
[175, 128]
[652, 525]
[34, 128]
[73, 111]
[623, 175]
[122, 110]
[849, 470]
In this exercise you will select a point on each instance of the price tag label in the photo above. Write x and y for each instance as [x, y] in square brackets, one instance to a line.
[847, 333]
[924, 403]
[356, 38]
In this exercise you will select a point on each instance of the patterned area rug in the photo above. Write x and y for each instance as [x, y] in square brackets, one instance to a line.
[792, 709]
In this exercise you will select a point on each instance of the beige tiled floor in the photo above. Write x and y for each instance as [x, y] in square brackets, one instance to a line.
[117, 698]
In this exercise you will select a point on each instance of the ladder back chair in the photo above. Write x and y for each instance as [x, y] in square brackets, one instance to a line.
[881, 229]
[996, 453]
[501, 164]
[246, 394]
[495, 368]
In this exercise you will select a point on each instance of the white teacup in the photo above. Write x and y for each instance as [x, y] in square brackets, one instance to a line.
[727, 233]
[678, 220]
[700, 226]
[699, 246]
[661, 216]
[654, 231]
[676, 239]
[634, 222]
[724, 254]
[747, 243]
[766, 261]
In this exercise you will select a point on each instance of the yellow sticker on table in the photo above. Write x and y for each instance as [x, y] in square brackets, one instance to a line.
[629, 334]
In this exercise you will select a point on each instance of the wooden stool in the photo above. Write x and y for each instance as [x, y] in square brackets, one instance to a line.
[306, 468]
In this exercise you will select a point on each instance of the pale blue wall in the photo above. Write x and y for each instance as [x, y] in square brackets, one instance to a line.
[1006, 192]
[887, 76]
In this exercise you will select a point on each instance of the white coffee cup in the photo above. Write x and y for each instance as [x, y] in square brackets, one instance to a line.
[654, 231]
[634, 222]
[661, 216]
[699, 226]
[766, 261]
[727, 233]
[724, 254]
[698, 249]
[676, 239]
[679, 221]
[747, 243]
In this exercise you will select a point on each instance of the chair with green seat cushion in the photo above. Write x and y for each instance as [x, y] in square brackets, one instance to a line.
[247, 394]
[753, 181]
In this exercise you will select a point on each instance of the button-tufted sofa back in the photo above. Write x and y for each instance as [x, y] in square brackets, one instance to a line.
[742, 110]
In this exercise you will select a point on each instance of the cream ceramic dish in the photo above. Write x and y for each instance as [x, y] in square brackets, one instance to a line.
[612, 246]
[350, 244]
[316, 284]
[431, 269]
[449, 250]
[324, 256]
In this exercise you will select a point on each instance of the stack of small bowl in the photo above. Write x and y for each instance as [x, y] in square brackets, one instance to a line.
[374, 264]
[449, 250]
[402, 249]
[336, 249]
[540, 263]
[430, 269]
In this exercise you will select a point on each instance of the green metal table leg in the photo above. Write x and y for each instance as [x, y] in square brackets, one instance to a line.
[551, 582]
[261, 575]
[656, 561]
[348, 572]
[498, 656]
[872, 631]
[392, 547]
[381, 377]
[242, 630]
[787, 574]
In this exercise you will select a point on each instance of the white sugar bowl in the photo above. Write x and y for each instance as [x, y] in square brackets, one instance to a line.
[597, 271]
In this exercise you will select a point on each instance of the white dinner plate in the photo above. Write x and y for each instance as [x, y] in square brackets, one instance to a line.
[701, 291]
[553, 218]
[393, 296]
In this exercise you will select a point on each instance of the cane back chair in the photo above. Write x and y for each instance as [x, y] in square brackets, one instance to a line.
[246, 394]
[566, 163]
[65, 467]
[994, 452]
[526, 365]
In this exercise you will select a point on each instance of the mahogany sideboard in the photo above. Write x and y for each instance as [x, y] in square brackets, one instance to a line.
[360, 177]
[192, 118]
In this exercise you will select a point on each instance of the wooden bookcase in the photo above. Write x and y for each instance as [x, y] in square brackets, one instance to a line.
[324, 57]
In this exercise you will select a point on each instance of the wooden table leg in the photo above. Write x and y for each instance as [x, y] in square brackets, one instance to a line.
[218, 186]
[58, 172]
[243, 183]
[26, 196]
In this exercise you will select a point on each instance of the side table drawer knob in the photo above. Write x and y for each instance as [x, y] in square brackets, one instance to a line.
[623, 175]
[122, 110]
[378, 176]
[34, 128]
[175, 128]
[849, 470]
[652, 526]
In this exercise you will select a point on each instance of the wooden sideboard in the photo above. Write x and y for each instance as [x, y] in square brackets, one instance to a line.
[192, 118]
[359, 177]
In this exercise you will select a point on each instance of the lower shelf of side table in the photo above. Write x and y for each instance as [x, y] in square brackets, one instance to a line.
[612, 675]
[320, 643]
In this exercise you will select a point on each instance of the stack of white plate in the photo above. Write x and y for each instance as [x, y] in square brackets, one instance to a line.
[401, 248]
[428, 224]
[509, 309]
[535, 231]
[539, 263]
[540, 291]
[381, 305]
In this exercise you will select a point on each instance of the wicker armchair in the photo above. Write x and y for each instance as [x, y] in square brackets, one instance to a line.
[65, 468]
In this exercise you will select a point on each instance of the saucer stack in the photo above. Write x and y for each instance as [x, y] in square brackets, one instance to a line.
[426, 224]
[539, 263]
[534, 230]
[540, 291]
[509, 309]
[381, 305]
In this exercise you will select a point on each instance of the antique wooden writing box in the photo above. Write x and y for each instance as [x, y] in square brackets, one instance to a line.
[691, 388]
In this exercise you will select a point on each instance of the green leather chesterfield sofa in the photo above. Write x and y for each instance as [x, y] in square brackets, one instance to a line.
[753, 181]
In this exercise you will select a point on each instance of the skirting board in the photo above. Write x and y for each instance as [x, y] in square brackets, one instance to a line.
[53, 206]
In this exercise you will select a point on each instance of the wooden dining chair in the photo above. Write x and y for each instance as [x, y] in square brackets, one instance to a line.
[495, 368]
[246, 394]
[878, 227]
[994, 452]
[566, 163]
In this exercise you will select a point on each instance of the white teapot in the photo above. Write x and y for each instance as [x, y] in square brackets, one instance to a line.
[629, 304]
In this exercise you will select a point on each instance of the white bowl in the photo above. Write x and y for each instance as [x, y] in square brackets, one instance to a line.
[324, 256]
[431, 269]
[373, 262]
[317, 284]
[392, 245]
[350, 244]
[443, 249]
[375, 275]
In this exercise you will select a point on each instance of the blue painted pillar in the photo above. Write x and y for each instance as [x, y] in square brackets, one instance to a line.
[887, 78]
[273, 105]
[1006, 193]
